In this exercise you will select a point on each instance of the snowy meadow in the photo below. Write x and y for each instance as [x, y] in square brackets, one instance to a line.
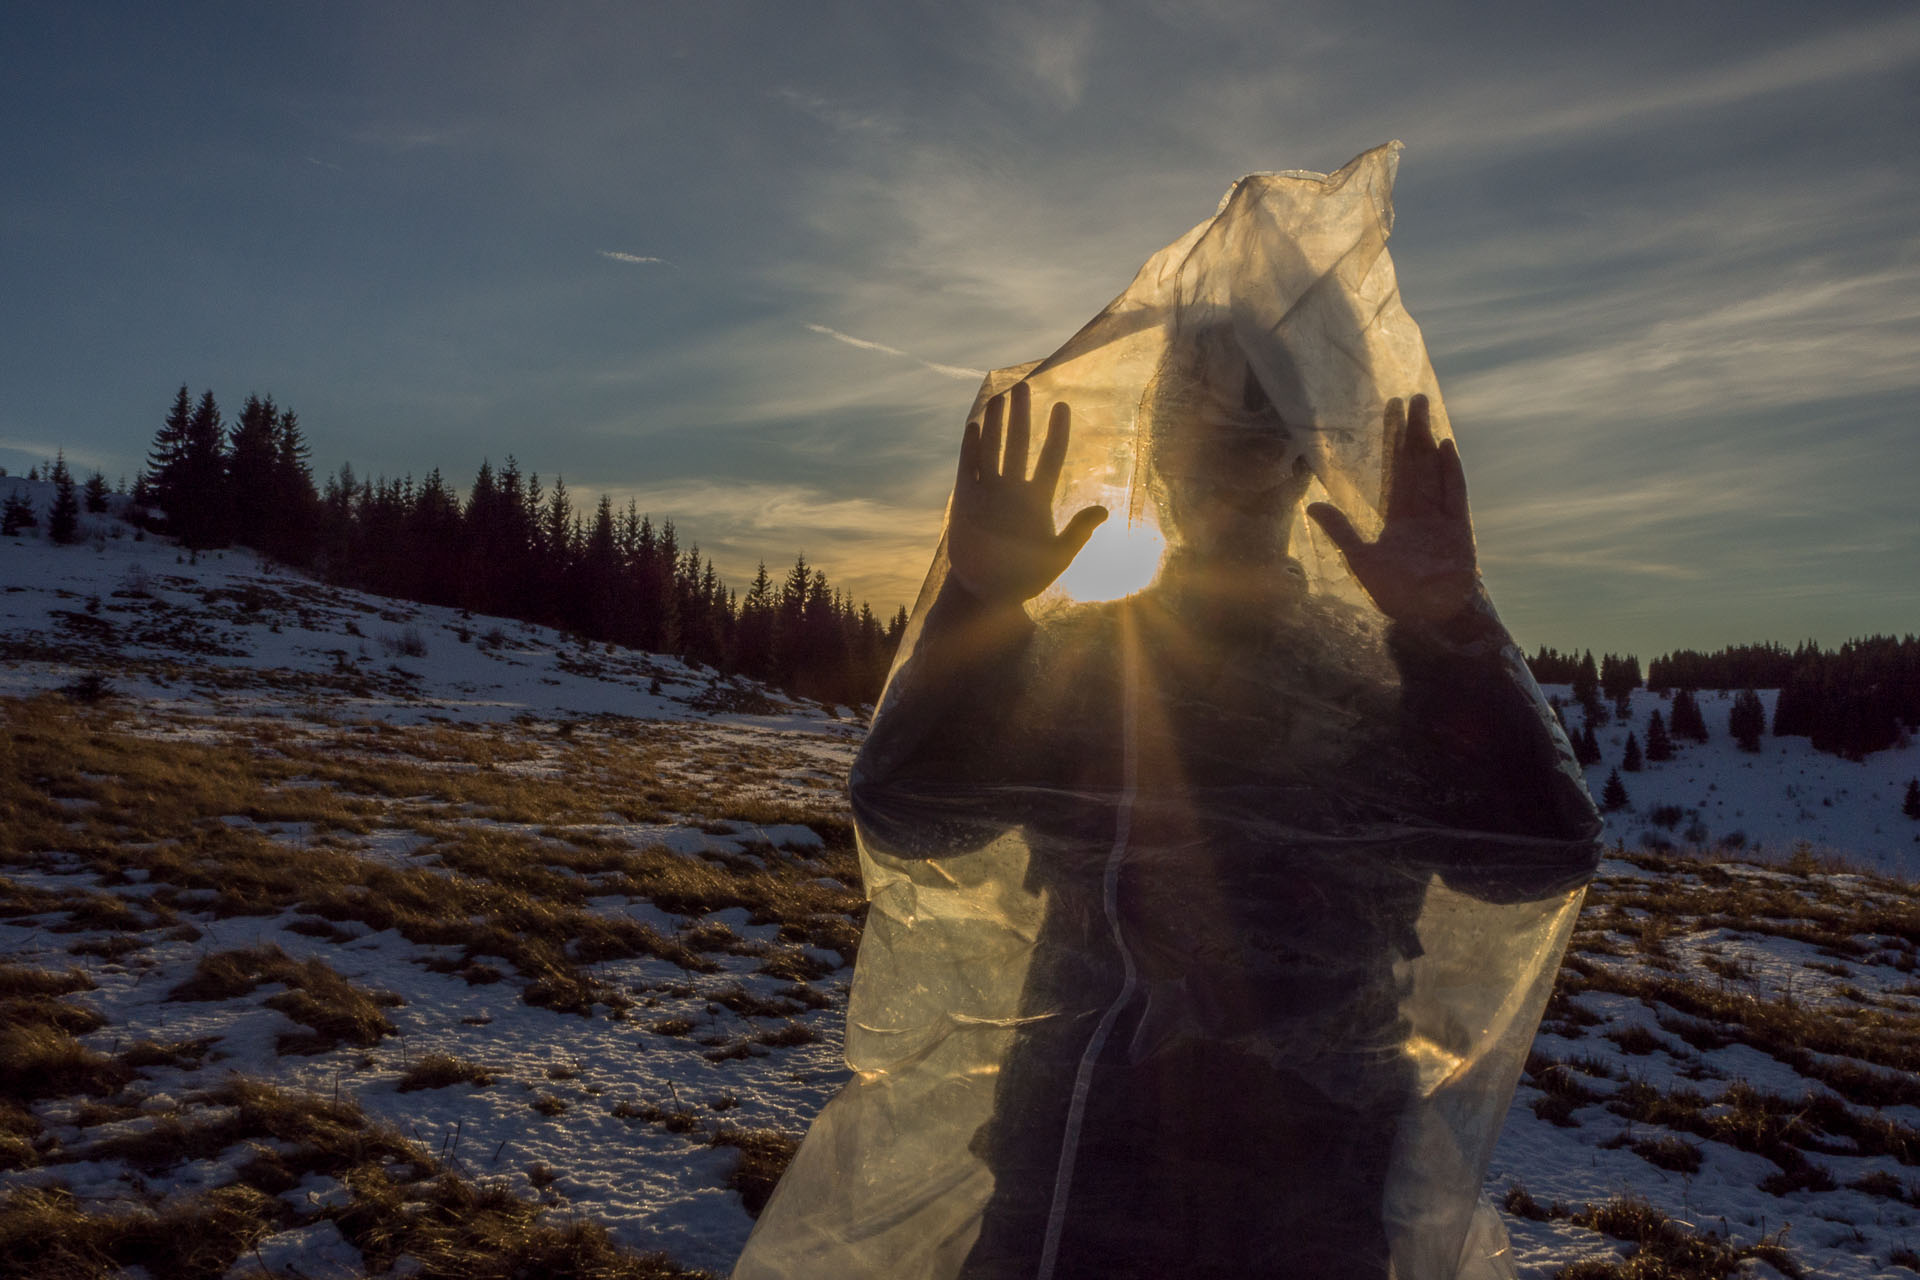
[345, 936]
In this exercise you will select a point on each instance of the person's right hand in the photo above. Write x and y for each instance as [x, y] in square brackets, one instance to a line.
[1001, 544]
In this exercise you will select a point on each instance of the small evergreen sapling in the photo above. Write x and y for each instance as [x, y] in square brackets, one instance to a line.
[1630, 761]
[1614, 795]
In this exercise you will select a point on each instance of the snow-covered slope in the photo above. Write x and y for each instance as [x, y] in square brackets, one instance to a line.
[1763, 806]
[230, 632]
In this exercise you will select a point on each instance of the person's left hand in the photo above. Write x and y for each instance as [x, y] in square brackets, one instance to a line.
[1421, 568]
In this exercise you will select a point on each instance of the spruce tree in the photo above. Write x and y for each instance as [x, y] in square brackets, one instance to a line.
[95, 492]
[249, 497]
[1586, 748]
[293, 529]
[1586, 679]
[197, 484]
[1687, 721]
[1659, 745]
[1748, 720]
[169, 449]
[1911, 806]
[1614, 795]
[16, 514]
[1630, 760]
[63, 519]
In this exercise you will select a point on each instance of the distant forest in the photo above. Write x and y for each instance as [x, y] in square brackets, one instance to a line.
[1860, 698]
[511, 548]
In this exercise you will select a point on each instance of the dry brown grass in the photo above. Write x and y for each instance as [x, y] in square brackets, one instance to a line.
[42, 1061]
[45, 1233]
[439, 1070]
[333, 1009]
[17, 981]
[1663, 1249]
[402, 1202]
[764, 1156]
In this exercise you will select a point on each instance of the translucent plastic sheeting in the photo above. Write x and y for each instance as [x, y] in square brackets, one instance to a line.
[1218, 885]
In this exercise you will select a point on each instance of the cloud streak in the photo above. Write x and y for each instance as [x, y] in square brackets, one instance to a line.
[865, 344]
[636, 259]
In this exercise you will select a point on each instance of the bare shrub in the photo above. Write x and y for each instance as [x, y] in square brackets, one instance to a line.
[408, 643]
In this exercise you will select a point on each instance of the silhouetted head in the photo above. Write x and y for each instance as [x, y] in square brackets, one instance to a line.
[1225, 469]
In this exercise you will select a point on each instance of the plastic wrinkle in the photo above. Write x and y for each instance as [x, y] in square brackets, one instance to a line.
[1216, 891]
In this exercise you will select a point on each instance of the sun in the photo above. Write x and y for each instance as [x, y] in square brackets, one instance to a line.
[1121, 558]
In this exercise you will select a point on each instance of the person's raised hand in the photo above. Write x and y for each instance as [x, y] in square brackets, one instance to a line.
[1421, 568]
[1001, 543]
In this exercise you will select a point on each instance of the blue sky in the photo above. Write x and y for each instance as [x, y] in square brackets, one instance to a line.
[737, 260]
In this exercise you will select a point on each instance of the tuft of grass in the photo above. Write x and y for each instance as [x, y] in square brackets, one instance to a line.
[20, 981]
[45, 1233]
[333, 1009]
[42, 1061]
[1663, 1248]
[186, 1054]
[764, 1156]
[439, 1070]
[676, 1119]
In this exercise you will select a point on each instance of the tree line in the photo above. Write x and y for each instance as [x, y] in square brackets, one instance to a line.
[1851, 701]
[510, 547]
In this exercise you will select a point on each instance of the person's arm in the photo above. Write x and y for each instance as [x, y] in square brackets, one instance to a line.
[1503, 764]
[935, 736]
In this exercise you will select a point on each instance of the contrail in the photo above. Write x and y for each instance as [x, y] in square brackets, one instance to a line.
[947, 370]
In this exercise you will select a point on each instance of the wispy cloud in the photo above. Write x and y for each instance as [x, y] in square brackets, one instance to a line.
[1051, 46]
[38, 451]
[1495, 115]
[637, 259]
[865, 344]
[836, 115]
[325, 164]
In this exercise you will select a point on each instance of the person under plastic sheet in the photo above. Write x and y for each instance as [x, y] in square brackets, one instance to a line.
[1209, 923]
[1233, 1105]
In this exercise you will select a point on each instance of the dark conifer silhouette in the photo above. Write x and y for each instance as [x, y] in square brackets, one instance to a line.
[1687, 722]
[1747, 721]
[249, 493]
[1630, 759]
[95, 493]
[1659, 744]
[16, 514]
[1586, 748]
[1613, 796]
[63, 517]
[1911, 806]
[1550, 666]
[1586, 680]
[1619, 677]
